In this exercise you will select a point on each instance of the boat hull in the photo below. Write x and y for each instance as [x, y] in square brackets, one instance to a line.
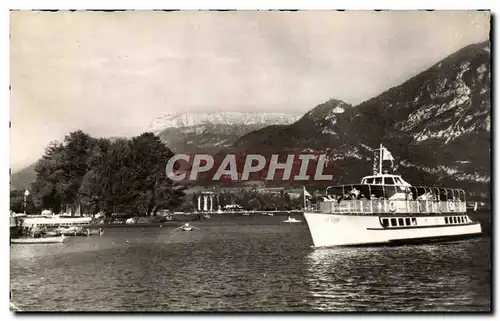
[329, 230]
[43, 240]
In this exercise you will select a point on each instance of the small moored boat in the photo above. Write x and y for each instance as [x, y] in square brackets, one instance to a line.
[95, 232]
[52, 233]
[69, 231]
[39, 240]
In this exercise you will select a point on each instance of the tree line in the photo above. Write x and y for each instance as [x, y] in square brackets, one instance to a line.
[122, 176]
[252, 200]
[103, 175]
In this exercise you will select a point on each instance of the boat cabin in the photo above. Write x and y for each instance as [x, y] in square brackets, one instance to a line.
[384, 193]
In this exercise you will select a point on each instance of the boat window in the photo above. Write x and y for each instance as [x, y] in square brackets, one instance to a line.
[407, 221]
[393, 222]
[401, 222]
[378, 180]
[413, 221]
[446, 220]
[388, 181]
[385, 222]
[461, 219]
[454, 219]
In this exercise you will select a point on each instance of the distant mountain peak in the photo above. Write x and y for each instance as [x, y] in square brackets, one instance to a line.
[179, 120]
[325, 115]
[328, 109]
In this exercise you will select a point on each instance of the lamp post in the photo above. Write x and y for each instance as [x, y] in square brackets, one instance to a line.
[26, 193]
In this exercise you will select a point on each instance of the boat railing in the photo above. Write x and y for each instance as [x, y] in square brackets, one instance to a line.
[392, 206]
[372, 198]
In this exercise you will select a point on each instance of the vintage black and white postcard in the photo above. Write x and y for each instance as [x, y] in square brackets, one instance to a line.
[250, 161]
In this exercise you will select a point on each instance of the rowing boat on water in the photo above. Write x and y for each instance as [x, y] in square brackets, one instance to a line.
[291, 220]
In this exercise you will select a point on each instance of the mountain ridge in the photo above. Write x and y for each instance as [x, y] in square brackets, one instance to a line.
[185, 119]
[437, 123]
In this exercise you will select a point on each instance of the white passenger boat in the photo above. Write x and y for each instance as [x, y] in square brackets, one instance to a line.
[385, 209]
[55, 221]
[39, 240]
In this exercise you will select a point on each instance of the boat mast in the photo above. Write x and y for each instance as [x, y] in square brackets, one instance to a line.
[380, 160]
[304, 196]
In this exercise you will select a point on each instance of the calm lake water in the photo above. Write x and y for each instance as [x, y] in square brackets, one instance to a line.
[246, 264]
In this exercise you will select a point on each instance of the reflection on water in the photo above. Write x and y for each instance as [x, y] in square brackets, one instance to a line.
[263, 266]
[451, 277]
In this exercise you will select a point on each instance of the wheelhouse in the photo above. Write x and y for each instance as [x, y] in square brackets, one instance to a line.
[384, 180]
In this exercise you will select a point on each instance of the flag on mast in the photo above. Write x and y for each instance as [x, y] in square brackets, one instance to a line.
[386, 155]
[306, 196]
[306, 193]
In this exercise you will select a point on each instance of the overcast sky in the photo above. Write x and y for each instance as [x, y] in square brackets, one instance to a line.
[111, 74]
